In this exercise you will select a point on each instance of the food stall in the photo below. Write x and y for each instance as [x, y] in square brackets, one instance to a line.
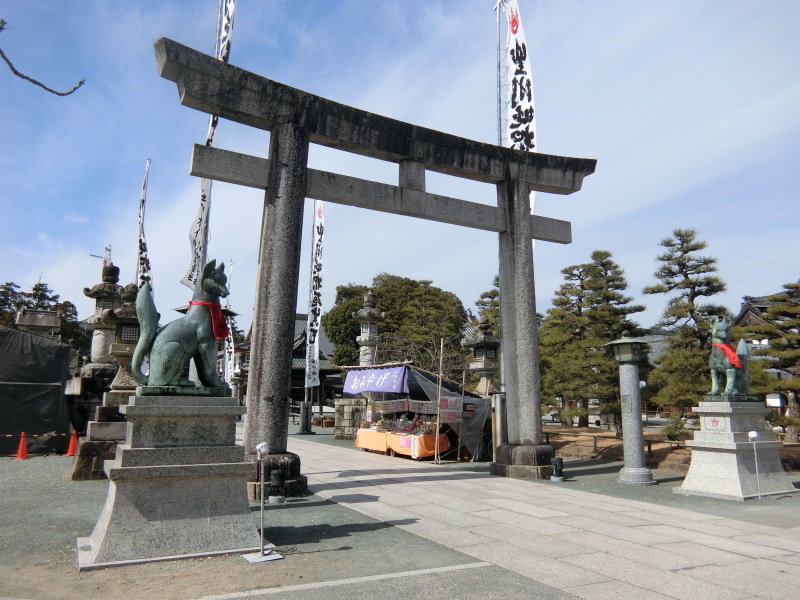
[403, 413]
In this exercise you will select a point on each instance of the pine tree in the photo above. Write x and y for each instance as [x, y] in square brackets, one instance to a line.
[41, 297]
[690, 278]
[589, 310]
[489, 306]
[72, 332]
[11, 300]
[609, 307]
[782, 329]
[681, 375]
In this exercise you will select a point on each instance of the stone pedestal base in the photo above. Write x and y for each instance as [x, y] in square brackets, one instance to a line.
[102, 436]
[295, 484]
[636, 476]
[177, 488]
[350, 412]
[523, 461]
[724, 460]
[223, 391]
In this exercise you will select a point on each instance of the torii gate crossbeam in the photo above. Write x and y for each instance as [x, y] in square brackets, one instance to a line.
[296, 119]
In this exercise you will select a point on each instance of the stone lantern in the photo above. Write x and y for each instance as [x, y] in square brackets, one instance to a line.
[628, 351]
[369, 317]
[485, 357]
[350, 412]
[126, 335]
[107, 297]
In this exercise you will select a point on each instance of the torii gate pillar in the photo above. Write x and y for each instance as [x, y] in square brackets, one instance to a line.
[524, 455]
[269, 379]
[296, 119]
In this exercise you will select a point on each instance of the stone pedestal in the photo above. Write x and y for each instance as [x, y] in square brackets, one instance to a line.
[102, 436]
[724, 459]
[350, 413]
[294, 484]
[528, 461]
[177, 487]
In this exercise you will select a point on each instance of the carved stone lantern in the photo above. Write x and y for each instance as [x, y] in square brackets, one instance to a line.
[126, 334]
[485, 357]
[107, 297]
[369, 317]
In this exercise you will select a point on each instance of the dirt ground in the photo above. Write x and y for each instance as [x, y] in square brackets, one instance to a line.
[585, 442]
[44, 513]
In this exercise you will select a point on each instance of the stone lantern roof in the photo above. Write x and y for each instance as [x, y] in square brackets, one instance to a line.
[484, 338]
[109, 288]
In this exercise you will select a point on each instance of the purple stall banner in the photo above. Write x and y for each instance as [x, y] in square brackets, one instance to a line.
[393, 380]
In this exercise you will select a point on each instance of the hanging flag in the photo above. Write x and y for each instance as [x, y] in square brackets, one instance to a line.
[230, 347]
[314, 299]
[521, 119]
[198, 232]
[143, 261]
[107, 256]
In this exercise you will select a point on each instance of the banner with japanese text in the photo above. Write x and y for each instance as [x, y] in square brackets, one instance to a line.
[521, 120]
[143, 261]
[198, 231]
[315, 298]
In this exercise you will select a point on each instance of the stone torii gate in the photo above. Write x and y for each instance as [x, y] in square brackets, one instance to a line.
[295, 119]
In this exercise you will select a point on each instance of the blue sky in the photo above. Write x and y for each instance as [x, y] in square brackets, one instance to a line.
[690, 108]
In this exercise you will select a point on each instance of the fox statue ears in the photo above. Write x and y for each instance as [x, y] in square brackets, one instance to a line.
[212, 266]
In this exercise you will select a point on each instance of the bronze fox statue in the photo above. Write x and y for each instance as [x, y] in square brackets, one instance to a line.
[193, 336]
[727, 362]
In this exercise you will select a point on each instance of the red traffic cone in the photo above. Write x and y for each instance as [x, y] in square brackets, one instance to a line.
[22, 451]
[73, 444]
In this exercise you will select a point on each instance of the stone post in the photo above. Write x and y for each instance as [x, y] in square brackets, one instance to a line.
[276, 294]
[524, 455]
[635, 471]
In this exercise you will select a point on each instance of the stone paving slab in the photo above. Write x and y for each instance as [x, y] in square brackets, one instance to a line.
[615, 590]
[635, 543]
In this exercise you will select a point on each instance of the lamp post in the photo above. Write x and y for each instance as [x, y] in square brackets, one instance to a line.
[628, 351]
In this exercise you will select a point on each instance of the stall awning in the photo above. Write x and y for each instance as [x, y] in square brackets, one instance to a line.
[391, 380]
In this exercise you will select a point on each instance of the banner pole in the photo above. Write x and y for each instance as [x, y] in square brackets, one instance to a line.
[437, 450]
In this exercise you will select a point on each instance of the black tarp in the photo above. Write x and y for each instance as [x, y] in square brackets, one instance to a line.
[424, 384]
[29, 358]
[33, 371]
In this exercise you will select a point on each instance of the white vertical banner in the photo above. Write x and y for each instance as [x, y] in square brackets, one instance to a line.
[143, 261]
[198, 232]
[521, 120]
[521, 115]
[229, 347]
[314, 299]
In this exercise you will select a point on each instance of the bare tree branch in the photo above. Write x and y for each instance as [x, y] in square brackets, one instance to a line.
[26, 78]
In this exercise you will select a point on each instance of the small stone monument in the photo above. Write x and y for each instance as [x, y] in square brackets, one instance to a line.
[178, 485]
[735, 456]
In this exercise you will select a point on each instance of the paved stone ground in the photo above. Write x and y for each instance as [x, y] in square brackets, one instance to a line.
[382, 527]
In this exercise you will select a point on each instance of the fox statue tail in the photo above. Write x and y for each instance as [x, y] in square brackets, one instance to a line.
[148, 327]
[743, 352]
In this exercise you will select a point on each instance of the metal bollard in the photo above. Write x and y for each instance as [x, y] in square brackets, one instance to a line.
[558, 470]
[277, 479]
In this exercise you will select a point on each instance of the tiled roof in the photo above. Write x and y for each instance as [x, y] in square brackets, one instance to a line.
[300, 322]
